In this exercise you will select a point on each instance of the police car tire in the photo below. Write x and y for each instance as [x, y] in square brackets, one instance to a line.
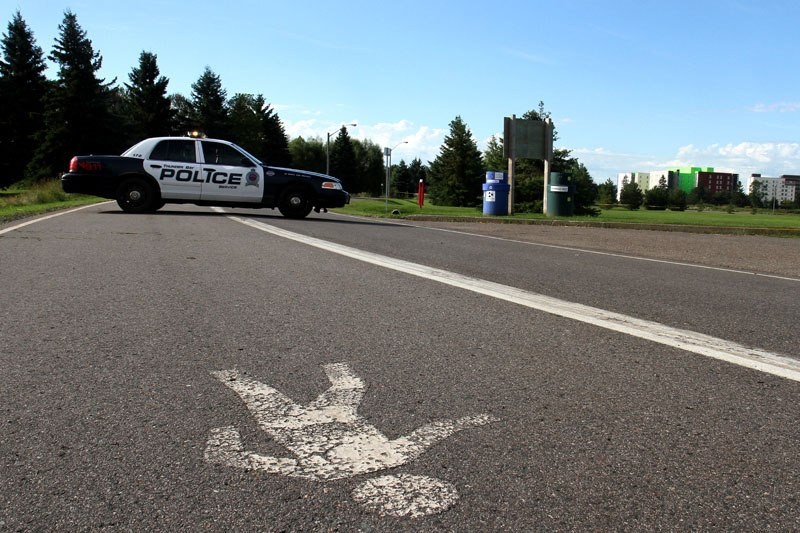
[137, 195]
[295, 203]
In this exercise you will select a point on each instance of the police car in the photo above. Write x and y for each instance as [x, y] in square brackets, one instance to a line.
[200, 171]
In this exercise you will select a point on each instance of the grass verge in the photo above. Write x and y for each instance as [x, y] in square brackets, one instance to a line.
[743, 218]
[38, 199]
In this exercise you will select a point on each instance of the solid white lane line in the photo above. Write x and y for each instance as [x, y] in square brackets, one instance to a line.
[761, 360]
[47, 217]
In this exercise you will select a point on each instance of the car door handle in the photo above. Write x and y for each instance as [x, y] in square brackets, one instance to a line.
[155, 166]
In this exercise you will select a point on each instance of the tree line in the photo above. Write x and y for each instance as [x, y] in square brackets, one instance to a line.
[45, 122]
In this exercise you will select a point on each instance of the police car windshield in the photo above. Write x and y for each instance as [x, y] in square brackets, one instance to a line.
[245, 152]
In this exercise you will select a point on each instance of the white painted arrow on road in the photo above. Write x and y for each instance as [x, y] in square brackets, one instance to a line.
[331, 441]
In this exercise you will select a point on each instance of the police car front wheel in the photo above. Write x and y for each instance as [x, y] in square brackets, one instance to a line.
[296, 203]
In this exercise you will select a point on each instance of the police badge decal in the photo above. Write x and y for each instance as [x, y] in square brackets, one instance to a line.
[251, 178]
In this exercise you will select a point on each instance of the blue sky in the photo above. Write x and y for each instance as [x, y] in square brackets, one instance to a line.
[631, 85]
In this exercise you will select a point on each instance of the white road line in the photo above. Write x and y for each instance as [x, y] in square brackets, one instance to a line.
[754, 358]
[47, 217]
[584, 250]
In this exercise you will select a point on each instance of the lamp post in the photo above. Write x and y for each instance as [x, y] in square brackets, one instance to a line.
[388, 153]
[328, 147]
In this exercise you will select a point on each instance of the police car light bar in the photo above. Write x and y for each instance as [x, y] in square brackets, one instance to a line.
[196, 134]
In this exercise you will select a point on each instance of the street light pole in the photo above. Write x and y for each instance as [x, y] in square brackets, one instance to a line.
[328, 148]
[388, 153]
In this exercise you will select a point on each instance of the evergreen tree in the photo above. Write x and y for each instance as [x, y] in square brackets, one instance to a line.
[182, 113]
[275, 149]
[22, 82]
[418, 172]
[657, 197]
[343, 162]
[457, 172]
[77, 117]
[758, 193]
[677, 200]
[148, 107]
[244, 122]
[493, 155]
[631, 196]
[209, 110]
[607, 192]
[402, 184]
[699, 195]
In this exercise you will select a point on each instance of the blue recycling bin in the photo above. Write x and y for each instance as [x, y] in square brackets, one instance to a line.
[495, 194]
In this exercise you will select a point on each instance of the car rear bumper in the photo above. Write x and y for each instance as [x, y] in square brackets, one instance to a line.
[83, 184]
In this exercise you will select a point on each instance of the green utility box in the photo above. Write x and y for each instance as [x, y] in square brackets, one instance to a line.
[560, 195]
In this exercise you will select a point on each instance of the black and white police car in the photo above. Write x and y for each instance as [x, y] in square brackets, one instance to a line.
[200, 171]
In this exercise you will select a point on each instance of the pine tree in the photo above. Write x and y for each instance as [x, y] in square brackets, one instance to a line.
[146, 102]
[255, 126]
[210, 114]
[493, 155]
[182, 113]
[457, 172]
[77, 117]
[22, 82]
[276, 142]
[402, 180]
[418, 171]
[343, 162]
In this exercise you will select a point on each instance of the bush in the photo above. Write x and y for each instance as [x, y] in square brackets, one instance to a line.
[529, 207]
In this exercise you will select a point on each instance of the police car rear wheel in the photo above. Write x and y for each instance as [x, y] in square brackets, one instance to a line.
[296, 203]
[136, 195]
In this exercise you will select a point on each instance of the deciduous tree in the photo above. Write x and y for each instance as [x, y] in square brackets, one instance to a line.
[370, 169]
[308, 154]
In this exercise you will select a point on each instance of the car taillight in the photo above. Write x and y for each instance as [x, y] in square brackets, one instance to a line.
[73, 164]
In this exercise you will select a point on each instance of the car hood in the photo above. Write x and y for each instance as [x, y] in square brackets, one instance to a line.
[300, 173]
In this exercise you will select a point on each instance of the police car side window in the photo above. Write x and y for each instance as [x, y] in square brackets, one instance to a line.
[174, 150]
[222, 154]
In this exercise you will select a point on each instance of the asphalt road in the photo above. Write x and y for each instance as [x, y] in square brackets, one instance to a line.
[177, 371]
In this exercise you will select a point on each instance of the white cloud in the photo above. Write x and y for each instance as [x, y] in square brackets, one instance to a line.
[744, 158]
[776, 107]
[769, 158]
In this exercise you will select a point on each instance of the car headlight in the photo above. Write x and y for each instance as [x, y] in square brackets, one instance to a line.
[332, 185]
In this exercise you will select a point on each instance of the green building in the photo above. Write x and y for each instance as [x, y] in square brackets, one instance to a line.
[685, 178]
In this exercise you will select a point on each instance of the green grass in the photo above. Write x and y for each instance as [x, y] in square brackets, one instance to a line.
[740, 218]
[37, 199]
